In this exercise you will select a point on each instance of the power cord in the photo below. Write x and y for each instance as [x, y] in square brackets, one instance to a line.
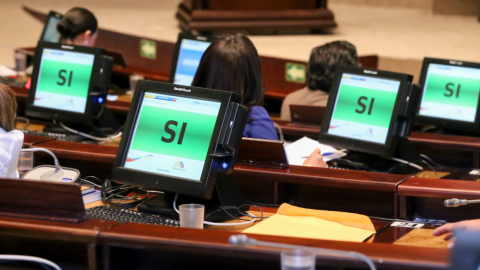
[109, 138]
[431, 167]
[38, 260]
[254, 218]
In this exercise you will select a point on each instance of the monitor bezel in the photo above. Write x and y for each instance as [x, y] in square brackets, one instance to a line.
[386, 149]
[63, 115]
[50, 15]
[181, 37]
[202, 188]
[442, 122]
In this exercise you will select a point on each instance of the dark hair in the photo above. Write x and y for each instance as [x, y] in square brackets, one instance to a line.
[75, 22]
[231, 63]
[8, 108]
[323, 61]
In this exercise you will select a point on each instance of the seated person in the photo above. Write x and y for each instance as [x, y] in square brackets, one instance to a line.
[231, 63]
[78, 27]
[11, 140]
[321, 68]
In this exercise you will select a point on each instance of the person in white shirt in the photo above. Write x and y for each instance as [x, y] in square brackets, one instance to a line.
[11, 140]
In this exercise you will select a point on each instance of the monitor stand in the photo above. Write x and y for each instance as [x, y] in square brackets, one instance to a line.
[225, 194]
[107, 120]
[373, 163]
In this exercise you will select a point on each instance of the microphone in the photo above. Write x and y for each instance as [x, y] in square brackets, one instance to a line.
[458, 202]
[243, 240]
[51, 173]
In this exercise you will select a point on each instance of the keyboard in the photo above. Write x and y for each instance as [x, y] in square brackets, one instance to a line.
[121, 215]
[58, 136]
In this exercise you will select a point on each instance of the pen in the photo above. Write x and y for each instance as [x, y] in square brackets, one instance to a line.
[323, 154]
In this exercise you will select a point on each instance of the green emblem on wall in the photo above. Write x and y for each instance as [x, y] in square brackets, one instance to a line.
[295, 72]
[148, 49]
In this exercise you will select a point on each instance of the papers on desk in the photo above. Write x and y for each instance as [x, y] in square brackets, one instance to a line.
[6, 71]
[299, 150]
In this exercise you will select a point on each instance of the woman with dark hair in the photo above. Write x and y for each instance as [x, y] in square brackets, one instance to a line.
[231, 63]
[78, 27]
[321, 68]
[10, 140]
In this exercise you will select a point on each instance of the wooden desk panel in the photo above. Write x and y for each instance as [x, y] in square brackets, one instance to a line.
[425, 198]
[70, 245]
[134, 245]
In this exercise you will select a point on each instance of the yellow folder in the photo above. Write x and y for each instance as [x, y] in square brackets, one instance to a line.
[317, 224]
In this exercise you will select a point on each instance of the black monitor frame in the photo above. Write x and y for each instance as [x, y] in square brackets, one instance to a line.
[41, 112]
[181, 37]
[442, 122]
[51, 14]
[395, 129]
[200, 189]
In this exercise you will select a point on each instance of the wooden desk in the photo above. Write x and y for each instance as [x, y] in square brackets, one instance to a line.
[328, 189]
[463, 151]
[96, 244]
[128, 246]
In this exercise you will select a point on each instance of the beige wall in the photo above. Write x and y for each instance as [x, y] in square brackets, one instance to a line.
[414, 4]
[447, 7]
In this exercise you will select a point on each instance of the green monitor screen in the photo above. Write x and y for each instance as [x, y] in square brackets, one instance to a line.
[64, 80]
[450, 92]
[172, 135]
[363, 108]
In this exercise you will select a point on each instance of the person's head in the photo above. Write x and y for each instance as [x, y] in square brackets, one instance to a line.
[79, 27]
[231, 63]
[8, 108]
[323, 61]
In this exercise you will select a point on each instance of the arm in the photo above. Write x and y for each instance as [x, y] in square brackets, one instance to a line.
[447, 229]
[315, 159]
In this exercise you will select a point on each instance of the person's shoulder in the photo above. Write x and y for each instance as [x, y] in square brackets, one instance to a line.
[11, 135]
[299, 93]
[258, 112]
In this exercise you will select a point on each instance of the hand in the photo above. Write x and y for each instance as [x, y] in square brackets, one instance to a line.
[315, 159]
[447, 229]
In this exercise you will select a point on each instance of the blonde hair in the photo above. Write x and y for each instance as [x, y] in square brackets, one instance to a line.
[8, 108]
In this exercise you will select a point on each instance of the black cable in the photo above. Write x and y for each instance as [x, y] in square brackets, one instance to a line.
[226, 212]
[428, 164]
[433, 162]
[93, 177]
[264, 204]
[259, 209]
[350, 162]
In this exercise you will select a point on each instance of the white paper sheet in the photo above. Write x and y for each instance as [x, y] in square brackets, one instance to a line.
[298, 151]
[6, 71]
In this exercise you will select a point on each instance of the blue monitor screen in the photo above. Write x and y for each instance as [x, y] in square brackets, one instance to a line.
[51, 34]
[191, 51]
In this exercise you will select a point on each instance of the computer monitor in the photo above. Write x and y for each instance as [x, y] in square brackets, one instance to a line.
[177, 139]
[50, 32]
[69, 83]
[188, 53]
[450, 97]
[368, 110]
